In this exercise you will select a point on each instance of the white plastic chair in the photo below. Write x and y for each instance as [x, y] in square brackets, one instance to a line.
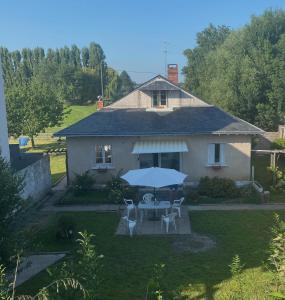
[131, 224]
[177, 205]
[130, 206]
[148, 197]
[168, 220]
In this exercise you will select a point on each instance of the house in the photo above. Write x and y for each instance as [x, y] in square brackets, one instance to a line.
[34, 168]
[160, 124]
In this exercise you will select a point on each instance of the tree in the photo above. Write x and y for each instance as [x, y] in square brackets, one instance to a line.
[96, 55]
[10, 202]
[73, 74]
[242, 71]
[85, 57]
[126, 84]
[32, 107]
[207, 40]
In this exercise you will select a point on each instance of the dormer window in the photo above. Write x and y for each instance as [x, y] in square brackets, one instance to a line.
[159, 98]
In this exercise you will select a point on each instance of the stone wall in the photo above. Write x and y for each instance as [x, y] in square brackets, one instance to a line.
[37, 179]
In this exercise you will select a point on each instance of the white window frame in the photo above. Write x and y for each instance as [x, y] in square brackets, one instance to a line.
[103, 164]
[211, 155]
[159, 98]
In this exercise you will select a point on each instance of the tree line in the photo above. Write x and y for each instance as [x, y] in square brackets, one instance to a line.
[242, 71]
[39, 83]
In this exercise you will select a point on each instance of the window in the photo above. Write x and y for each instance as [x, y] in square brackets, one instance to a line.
[103, 154]
[216, 154]
[163, 98]
[170, 160]
[163, 160]
[159, 98]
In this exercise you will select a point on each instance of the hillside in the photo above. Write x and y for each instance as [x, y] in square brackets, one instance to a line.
[77, 112]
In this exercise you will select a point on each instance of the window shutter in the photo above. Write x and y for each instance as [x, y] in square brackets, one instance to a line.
[211, 154]
[222, 153]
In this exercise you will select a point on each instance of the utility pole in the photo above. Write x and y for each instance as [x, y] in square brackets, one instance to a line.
[102, 84]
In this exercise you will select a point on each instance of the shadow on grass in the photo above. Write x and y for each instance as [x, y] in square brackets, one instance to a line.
[128, 262]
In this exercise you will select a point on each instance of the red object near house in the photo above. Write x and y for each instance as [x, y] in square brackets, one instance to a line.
[172, 73]
[100, 104]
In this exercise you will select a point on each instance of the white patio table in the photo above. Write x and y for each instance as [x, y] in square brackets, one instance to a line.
[153, 205]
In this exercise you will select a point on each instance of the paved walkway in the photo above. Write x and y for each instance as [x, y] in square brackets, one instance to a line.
[205, 207]
[34, 264]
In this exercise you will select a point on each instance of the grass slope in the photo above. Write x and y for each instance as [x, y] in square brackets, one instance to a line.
[77, 112]
[128, 262]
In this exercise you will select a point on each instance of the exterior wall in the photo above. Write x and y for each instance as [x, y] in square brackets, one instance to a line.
[264, 142]
[37, 179]
[143, 99]
[4, 144]
[81, 156]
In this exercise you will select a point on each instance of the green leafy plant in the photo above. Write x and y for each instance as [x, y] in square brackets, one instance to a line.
[154, 289]
[277, 255]
[115, 189]
[278, 144]
[84, 267]
[236, 269]
[278, 179]
[217, 187]
[48, 292]
[82, 183]
[11, 186]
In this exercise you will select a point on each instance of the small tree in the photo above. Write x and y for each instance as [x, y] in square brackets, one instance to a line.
[277, 255]
[10, 201]
[32, 107]
[84, 267]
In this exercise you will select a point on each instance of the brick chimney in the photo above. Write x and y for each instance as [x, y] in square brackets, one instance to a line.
[100, 103]
[172, 73]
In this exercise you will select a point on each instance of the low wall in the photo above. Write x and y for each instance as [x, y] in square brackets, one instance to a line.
[37, 179]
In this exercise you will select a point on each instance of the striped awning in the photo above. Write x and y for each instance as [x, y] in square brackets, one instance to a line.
[159, 147]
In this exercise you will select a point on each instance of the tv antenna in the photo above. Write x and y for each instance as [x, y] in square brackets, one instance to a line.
[165, 51]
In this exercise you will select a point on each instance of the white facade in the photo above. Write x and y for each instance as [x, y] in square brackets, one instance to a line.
[4, 142]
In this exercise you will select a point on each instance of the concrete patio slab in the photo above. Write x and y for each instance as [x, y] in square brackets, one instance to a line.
[149, 227]
[34, 264]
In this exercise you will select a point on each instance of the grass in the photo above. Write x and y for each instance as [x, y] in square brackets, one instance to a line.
[57, 167]
[77, 112]
[128, 263]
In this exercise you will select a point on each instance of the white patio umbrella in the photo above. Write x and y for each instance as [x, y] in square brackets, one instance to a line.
[154, 177]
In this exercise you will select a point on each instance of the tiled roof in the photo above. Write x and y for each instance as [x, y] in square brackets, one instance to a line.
[140, 122]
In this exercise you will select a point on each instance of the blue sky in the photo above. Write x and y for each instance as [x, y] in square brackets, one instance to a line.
[132, 33]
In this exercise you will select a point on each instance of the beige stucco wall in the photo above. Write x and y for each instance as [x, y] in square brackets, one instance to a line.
[81, 156]
[143, 99]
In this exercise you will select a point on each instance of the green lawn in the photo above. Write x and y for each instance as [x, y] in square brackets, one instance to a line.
[128, 263]
[77, 112]
[57, 167]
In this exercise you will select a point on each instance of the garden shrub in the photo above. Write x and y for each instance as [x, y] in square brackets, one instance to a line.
[82, 183]
[278, 144]
[66, 226]
[217, 187]
[115, 190]
[278, 179]
[130, 192]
